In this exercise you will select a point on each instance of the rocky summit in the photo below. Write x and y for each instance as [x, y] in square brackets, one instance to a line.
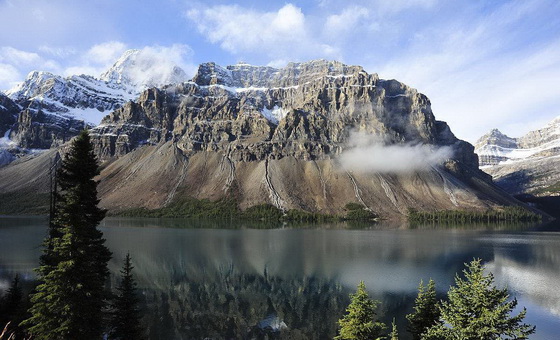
[47, 110]
[267, 135]
[526, 165]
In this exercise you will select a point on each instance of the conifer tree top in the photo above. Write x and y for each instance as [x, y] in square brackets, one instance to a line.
[476, 309]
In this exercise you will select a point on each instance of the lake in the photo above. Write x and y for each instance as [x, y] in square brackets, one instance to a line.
[203, 279]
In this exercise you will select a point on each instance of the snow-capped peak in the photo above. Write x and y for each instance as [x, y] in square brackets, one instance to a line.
[141, 69]
[32, 85]
[495, 147]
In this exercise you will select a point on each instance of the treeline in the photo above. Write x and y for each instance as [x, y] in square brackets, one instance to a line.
[227, 209]
[505, 214]
[474, 309]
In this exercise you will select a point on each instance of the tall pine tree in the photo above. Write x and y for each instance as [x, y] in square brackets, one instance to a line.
[360, 321]
[476, 310]
[125, 319]
[69, 301]
[426, 310]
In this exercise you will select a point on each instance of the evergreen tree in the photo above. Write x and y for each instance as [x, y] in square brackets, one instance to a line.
[478, 310]
[394, 335]
[69, 300]
[360, 321]
[426, 310]
[125, 321]
[11, 307]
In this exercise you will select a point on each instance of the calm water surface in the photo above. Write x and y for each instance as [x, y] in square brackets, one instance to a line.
[204, 279]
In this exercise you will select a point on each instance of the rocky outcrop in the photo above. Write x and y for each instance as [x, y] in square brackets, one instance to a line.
[525, 165]
[37, 129]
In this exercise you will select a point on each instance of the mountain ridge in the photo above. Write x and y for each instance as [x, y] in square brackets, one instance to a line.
[50, 109]
[276, 136]
[525, 165]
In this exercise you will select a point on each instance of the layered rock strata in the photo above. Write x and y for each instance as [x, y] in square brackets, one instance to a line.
[265, 135]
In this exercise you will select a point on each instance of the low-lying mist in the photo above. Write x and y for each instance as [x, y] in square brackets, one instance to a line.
[369, 153]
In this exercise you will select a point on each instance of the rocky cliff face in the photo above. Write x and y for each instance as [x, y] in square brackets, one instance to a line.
[8, 113]
[265, 135]
[305, 110]
[528, 164]
[52, 109]
[8, 117]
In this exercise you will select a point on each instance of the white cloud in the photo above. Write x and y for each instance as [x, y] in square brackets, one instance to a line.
[17, 57]
[154, 64]
[345, 22]
[96, 59]
[368, 153]
[105, 53]
[479, 74]
[59, 52]
[15, 64]
[394, 6]
[282, 34]
[9, 76]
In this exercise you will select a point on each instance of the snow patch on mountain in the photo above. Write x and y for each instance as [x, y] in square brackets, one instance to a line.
[87, 98]
[496, 148]
[274, 115]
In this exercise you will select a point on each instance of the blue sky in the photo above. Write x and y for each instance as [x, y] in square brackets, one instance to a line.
[483, 64]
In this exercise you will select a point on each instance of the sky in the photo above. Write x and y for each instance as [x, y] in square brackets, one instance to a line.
[483, 64]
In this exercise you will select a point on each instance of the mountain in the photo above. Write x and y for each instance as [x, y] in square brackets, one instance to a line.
[526, 165]
[279, 136]
[137, 70]
[8, 117]
[52, 109]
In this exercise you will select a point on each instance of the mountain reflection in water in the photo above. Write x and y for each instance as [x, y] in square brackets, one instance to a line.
[220, 283]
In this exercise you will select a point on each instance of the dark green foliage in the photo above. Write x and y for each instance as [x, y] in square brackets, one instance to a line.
[360, 321]
[125, 316]
[357, 212]
[12, 308]
[394, 335]
[190, 208]
[24, 203]
[476, 309]
[266, 212]
[360, 215]
[227, 208]
[450, 216]
[69, 299]
[426, 310]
